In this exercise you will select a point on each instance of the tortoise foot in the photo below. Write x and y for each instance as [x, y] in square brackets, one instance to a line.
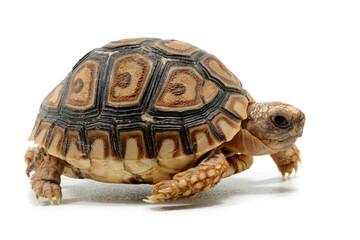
[48, 189]
[164, 191]
[46, 180]
[287, 161]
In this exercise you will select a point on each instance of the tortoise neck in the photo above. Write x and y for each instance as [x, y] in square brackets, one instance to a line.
[246, 143]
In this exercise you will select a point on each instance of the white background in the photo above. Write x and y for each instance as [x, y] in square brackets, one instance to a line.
[306, 53]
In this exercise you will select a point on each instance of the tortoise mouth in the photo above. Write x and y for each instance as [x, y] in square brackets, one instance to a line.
[282, 137]
[277, 145]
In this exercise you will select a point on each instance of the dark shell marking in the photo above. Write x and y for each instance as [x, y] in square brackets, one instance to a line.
[181, 90]
[219, 71]
[81, 93]
[129, 77]
[141, 99]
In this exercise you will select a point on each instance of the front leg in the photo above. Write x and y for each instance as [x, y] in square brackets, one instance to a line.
[238, 163]
[192, 181]
[287, 160]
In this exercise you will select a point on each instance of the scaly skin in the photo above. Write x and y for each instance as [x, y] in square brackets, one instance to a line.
[192, 181]
[238, 163]
[33, 158]
[46, 180]
[287, 160]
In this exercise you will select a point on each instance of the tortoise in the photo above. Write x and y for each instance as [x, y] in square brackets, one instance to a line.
[163, 112]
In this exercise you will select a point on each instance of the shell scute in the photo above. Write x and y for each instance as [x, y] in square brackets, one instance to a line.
[181, 90]
[41, 133]
[127, 42]
[209, 91]
[82, 90]
[219, 71]
[174, 47]
[130, 75]
[56, 142]
[74, 151]
[202, 138]
[101, 146]
[132, 144]
[170, 146]
[35, 128]
[225, 126]
[237, 105]
[53, 99]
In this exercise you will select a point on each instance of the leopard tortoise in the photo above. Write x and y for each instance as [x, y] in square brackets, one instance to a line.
[164, 112]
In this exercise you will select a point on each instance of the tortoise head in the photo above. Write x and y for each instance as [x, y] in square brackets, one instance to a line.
[275, 124]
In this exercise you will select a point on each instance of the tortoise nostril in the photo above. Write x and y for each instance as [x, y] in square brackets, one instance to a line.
[280, 121]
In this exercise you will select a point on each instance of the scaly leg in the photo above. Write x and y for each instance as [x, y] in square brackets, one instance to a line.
[33, 158]
[287, 160]
[238, 163]
[192, 181]
[46, 180]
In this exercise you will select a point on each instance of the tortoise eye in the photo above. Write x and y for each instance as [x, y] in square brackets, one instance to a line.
[280, 121]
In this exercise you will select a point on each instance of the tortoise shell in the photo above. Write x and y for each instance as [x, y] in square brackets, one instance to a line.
[140, 110]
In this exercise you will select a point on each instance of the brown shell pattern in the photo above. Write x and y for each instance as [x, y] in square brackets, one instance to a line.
[81, 94]
[53, 99]
[218, 70]
[135, 112]
[130, 139]
[176, 47]
[181, 90]
[129, 77]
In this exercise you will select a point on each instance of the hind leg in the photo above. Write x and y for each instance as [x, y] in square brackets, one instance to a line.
[46, 180]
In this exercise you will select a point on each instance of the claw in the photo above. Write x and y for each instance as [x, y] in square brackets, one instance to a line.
[150, 199]
[38, 197]
[28, 171]
[58, 197]
[283, 175]
[296, 169]
[300, 162]
[192, 196]
[50, 197]
[158, 198]
[147, 200]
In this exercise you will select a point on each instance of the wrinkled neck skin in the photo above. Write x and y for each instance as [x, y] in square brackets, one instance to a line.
[246, 143]
[261, 134]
